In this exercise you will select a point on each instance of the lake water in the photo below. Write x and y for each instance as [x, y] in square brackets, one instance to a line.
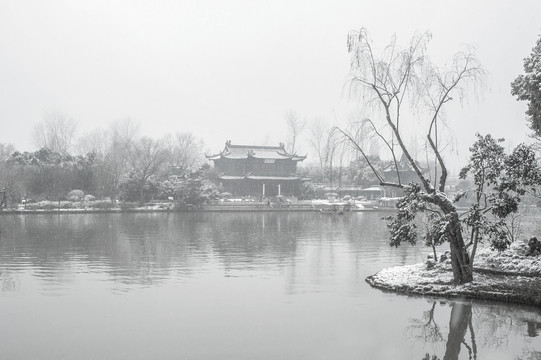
[231, 286]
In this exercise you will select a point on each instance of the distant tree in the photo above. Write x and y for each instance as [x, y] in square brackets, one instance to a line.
[388, 82]
[96, 141]
[319, 132]
[114, 166]
[9, 178]
[189, 188]
[185, 150]
[334, 151]
[527, 87]
[360, 171]
[5, 151]
[308, 191]
[131, 188]
[146, 157]
[295, 126]
[56, 132]
[46, 174]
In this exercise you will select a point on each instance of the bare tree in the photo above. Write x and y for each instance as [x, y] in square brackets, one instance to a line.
[114, 163]
[389, 82]
[319, 132]
[124, 131]
[56, 132]
[96, 140]
[294, 127]
[334, 152]
[188, 150]
[121, 136]
[5, 151]
[146, 156]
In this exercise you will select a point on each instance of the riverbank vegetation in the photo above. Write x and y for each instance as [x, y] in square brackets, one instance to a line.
[127, 169]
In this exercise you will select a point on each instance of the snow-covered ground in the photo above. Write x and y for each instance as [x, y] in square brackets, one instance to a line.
[512, 260]
[506, 276]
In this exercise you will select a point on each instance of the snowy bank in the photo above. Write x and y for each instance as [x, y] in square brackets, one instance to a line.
[509, 276]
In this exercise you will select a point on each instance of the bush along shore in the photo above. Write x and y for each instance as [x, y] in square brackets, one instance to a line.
[104, 206]
[87, 206]
[512, 275]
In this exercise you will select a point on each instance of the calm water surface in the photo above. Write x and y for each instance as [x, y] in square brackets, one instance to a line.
[231, 286]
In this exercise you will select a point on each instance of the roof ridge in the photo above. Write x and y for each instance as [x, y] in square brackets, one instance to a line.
[255, 146]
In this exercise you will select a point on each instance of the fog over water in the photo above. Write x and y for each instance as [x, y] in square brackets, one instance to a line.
[231, 69]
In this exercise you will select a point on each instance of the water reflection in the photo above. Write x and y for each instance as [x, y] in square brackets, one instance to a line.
[495, 333]
[148, 249]
[250, 285]
[533, 328]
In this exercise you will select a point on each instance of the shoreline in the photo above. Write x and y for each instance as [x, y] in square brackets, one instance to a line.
[491, 285]
[501, 277]
[208, 208]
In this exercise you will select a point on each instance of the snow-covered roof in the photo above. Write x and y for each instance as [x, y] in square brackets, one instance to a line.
[260, 152]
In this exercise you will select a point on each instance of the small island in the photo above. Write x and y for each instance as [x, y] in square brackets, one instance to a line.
[512, 275]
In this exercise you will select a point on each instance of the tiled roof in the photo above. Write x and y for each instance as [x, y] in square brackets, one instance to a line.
[260, 152]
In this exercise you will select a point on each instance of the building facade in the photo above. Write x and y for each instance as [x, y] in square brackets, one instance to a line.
[257, 170]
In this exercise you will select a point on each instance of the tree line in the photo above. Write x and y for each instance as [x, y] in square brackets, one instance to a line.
[115, 164]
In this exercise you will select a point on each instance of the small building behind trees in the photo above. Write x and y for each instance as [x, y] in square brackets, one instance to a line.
[244, 170]
[402, 172]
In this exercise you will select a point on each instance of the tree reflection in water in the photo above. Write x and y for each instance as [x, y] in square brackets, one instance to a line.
[426, 329]
[498, 330]
[460, 322]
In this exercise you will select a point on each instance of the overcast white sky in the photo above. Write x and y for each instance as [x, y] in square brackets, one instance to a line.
[231, 69]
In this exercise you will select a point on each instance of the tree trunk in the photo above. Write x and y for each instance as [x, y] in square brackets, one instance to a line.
[142, 192]
[460, 260]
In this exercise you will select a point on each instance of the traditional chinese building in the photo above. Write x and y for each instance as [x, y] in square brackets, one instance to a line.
[257, 170]
[406, 172]
[403, 168]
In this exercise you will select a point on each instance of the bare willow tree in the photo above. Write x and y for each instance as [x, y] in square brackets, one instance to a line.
[393, 82]
[56, 132]
[295, 126]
